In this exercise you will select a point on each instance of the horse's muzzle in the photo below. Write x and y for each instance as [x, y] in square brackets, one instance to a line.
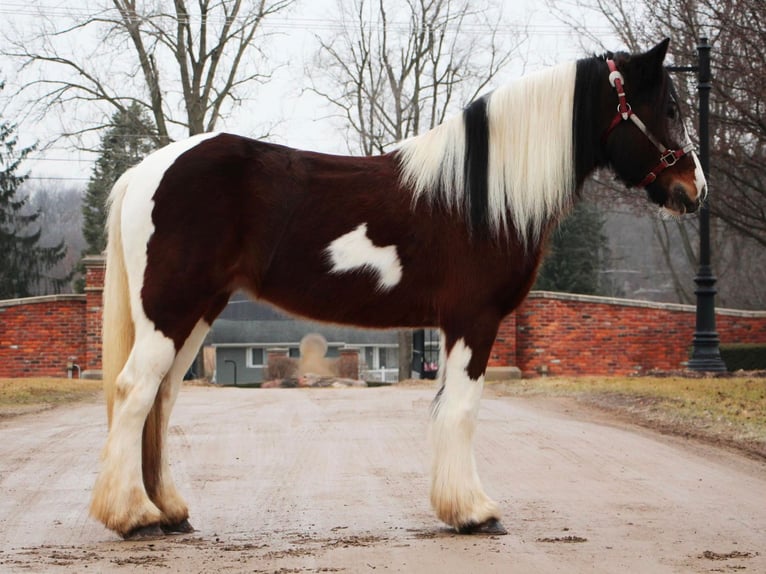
[680, 201]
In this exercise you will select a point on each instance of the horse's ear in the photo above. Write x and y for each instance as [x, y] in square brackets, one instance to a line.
[649, 65]
[657, 54]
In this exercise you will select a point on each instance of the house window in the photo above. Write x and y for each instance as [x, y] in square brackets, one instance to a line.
[255, 357]
[389, 357]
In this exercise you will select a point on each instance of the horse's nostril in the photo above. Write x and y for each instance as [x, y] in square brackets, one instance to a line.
[682, 199]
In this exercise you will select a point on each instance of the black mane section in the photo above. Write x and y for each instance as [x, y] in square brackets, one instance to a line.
[477, 163]
[591, 76]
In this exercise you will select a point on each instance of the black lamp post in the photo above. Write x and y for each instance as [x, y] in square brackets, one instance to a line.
[706, 355]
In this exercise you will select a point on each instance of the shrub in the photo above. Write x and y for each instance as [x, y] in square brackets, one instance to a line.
[281, 368]
[745, 356]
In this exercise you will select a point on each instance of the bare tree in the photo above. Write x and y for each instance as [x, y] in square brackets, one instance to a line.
[60, 208]
[397, 68]
[183, 62]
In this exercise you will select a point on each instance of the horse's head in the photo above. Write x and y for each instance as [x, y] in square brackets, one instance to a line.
[646, 142]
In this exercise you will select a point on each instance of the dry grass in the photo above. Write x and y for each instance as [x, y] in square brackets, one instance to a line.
[30, 394]
[729, 411]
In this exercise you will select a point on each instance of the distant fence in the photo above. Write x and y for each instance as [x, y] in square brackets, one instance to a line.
[550, 333]
[380, 375]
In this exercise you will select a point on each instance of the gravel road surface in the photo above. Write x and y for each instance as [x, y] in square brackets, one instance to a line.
[336, 480]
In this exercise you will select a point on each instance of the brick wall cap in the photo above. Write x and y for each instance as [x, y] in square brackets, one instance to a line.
[43, 299]
[94, 261]
[638, 303]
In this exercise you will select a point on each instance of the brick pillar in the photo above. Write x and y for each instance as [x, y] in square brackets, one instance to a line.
[95, 267]
[348, 363]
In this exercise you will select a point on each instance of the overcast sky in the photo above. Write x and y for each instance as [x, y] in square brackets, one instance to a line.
[303, 119]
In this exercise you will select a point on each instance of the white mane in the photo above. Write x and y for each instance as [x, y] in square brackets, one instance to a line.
[531, 159]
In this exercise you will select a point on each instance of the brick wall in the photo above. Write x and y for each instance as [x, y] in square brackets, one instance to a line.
[557, 333]
[564, 334]
[39, 335]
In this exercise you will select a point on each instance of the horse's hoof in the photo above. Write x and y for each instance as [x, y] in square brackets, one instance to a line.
[492, 526]
[182, 527]
[144, 532]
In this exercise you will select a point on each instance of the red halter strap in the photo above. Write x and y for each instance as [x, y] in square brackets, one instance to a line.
[668, 157]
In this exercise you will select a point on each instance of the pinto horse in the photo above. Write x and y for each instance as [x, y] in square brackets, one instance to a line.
[446, 231]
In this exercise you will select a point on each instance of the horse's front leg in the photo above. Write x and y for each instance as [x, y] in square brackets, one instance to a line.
[456, 491]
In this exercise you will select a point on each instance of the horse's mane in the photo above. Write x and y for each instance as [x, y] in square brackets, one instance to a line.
[507, 163]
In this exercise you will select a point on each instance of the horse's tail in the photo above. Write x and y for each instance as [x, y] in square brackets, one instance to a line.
[118, 330]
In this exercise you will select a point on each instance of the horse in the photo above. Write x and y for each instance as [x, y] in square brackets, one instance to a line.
[446, 231]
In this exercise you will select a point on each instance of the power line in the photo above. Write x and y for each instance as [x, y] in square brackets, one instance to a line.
[56, 178]
[292, 22]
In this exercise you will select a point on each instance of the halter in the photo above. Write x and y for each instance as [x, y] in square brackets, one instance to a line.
[668, 157]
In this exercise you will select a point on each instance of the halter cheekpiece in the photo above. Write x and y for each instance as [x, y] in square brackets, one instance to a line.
[668, 157]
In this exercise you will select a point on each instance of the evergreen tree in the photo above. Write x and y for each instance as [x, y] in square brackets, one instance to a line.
[121, 148]
[23, 262]
[577, 254]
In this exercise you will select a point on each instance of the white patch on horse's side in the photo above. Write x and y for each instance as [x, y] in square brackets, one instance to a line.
[137, 205]
[531, 153]
[456, 491]
[355, 250]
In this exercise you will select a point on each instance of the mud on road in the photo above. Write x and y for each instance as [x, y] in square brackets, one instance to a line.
[336, 480]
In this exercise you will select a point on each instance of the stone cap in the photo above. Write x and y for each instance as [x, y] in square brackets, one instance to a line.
[637, 303]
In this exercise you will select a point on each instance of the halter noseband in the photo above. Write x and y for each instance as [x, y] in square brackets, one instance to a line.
[668, 157]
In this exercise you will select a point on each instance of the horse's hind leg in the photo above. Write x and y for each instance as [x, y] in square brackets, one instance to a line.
[120, 499]
[456, 491]
[156, 468]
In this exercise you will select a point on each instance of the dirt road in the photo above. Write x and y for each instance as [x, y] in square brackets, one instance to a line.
[325, 480]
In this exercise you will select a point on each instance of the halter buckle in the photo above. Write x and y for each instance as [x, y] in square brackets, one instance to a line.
[669, 158]
[615, 76]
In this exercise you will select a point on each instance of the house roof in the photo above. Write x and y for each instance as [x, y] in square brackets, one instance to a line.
[246, 322]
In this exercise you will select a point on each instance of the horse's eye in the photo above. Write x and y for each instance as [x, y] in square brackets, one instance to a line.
[672, 112]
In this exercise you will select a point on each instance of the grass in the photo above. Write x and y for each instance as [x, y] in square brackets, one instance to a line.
[730, 411]
[30, 394]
